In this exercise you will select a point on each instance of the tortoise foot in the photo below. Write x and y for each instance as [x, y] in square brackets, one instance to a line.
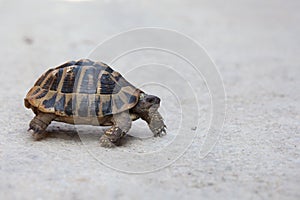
[38, 125]
[106, 142]
[37, 135]
[159, 132]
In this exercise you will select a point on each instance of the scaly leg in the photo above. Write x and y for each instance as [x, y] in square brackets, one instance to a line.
[39, 124]
[156, 123]
[112, 136]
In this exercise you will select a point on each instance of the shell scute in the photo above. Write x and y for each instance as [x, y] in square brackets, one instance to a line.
[60, 102]
[68, 105]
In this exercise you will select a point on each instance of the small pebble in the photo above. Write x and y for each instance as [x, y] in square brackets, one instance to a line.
[28, 40]
[194, 128]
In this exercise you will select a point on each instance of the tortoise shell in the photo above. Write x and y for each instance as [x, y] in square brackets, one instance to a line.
[82, 88]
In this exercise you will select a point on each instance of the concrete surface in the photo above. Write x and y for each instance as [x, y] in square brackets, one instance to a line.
[255, 45]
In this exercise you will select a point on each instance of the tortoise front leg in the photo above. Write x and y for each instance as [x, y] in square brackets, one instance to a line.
[112, 136]
[156, 123]
[39, 123]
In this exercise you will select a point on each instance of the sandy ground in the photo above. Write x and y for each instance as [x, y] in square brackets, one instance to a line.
[255, 45]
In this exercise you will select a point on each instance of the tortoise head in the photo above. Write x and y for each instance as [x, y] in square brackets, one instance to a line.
[147, 103]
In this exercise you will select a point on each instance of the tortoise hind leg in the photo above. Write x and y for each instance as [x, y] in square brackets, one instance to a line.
[112, 136]
[39, 124]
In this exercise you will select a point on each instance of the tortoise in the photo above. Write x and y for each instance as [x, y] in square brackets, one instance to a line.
[91, 93]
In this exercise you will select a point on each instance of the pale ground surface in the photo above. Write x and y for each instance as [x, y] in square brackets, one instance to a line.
[256, 46]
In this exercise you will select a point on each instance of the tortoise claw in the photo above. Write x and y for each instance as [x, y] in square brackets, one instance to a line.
[37, 135]
[36, 132]
[160, 131]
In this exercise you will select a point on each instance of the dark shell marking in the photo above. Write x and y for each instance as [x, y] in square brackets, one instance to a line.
[82, 88]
